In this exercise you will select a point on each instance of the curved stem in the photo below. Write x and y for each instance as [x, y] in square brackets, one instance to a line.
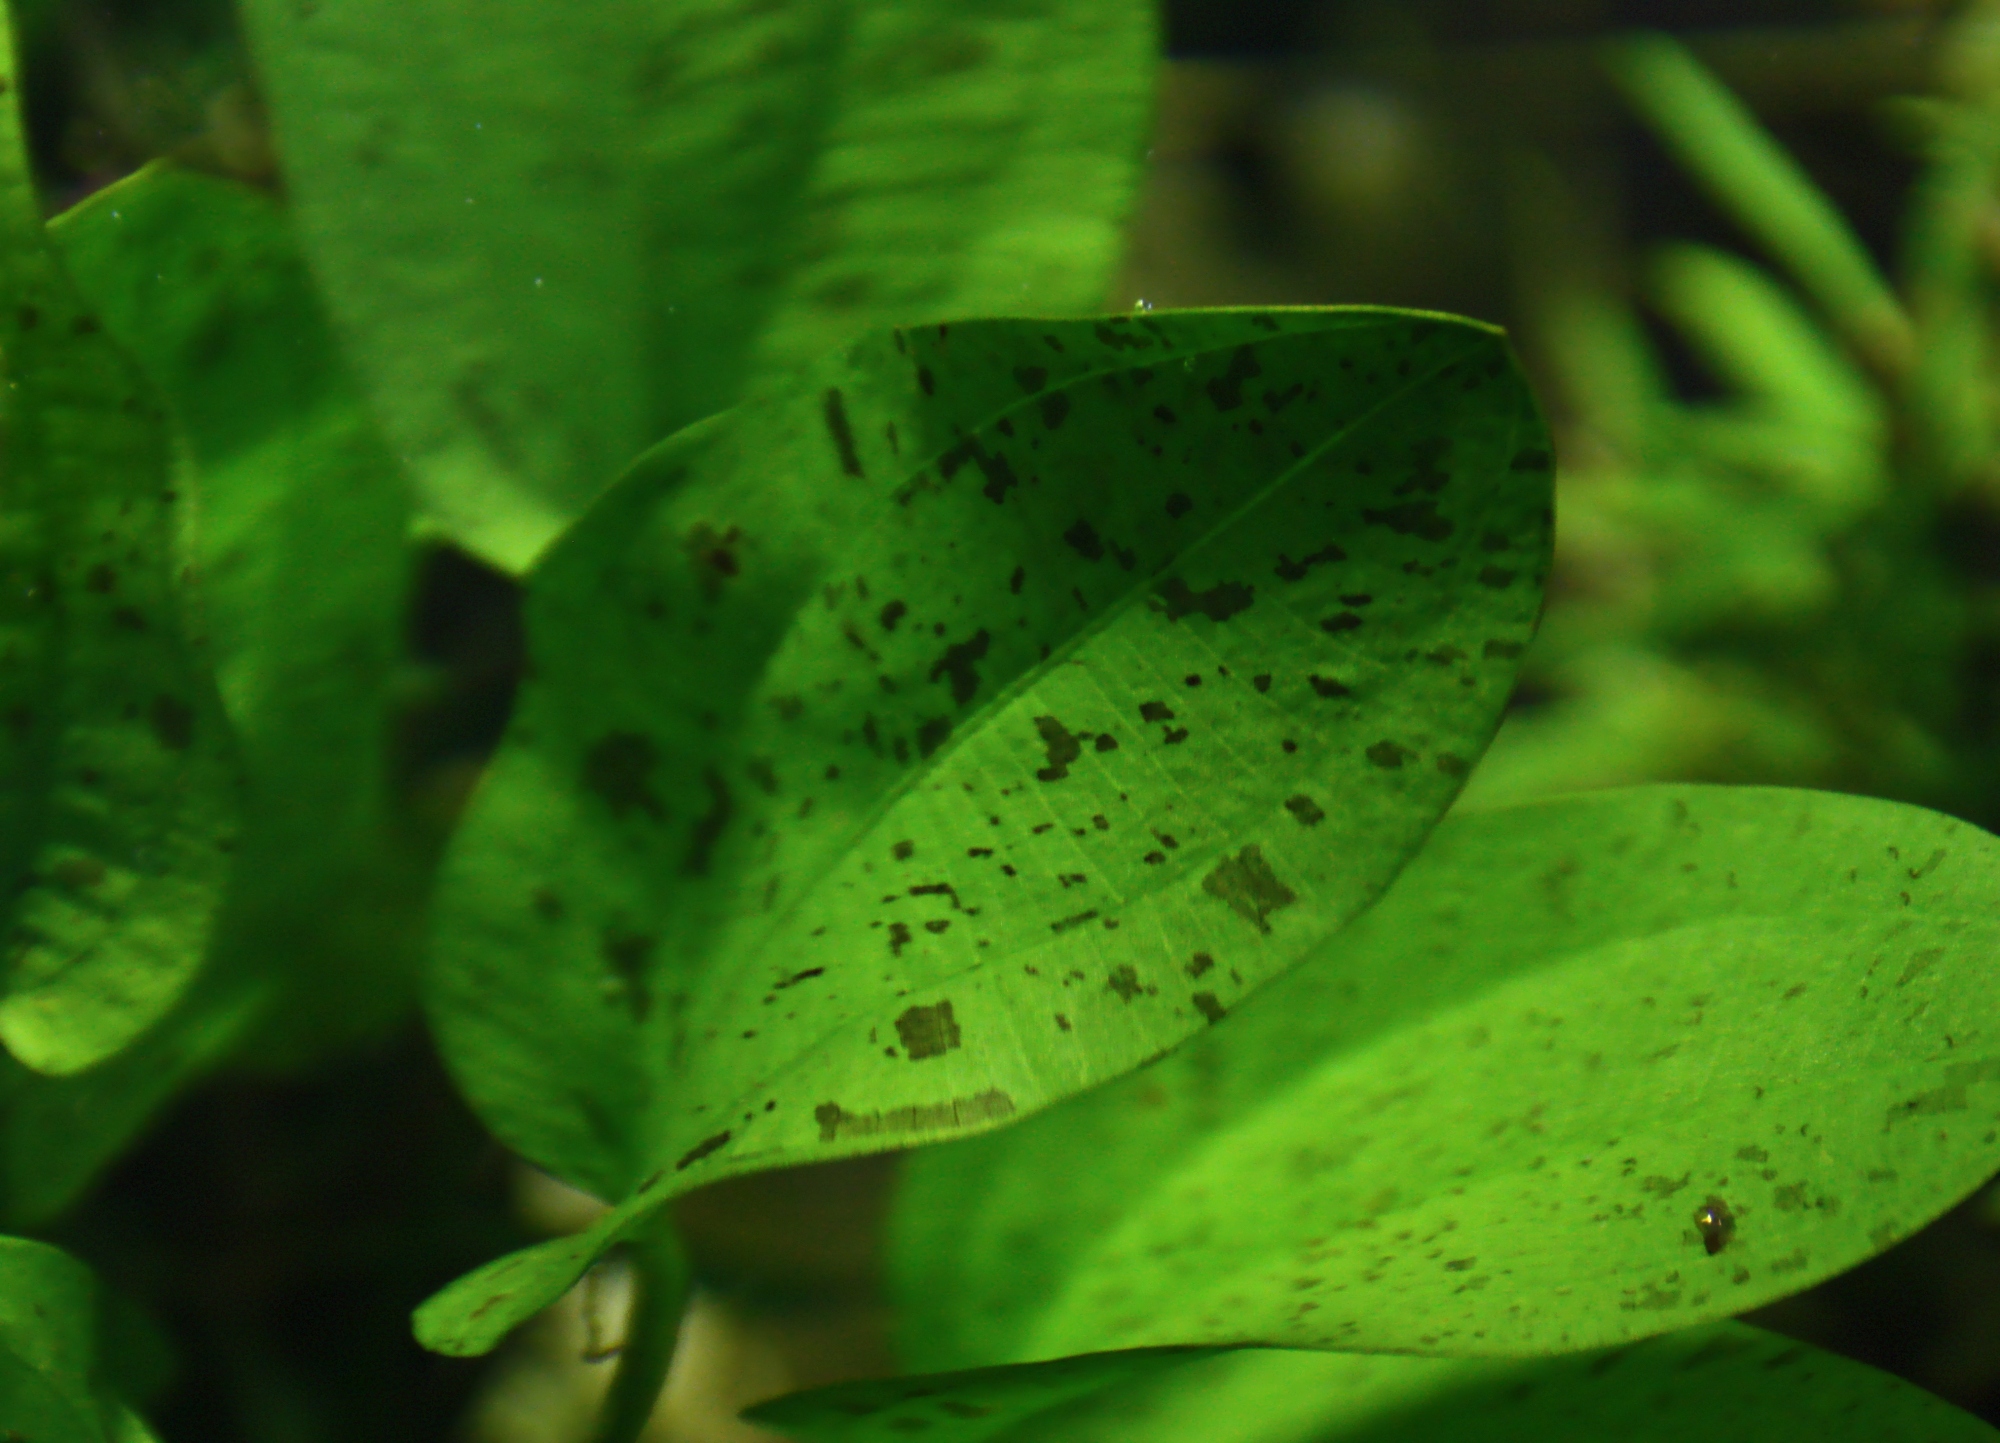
[658, 1289]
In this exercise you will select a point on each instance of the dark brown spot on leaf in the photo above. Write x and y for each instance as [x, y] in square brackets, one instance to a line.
[1306, 810]
[1209, 1006]
[928, 1031]
[959, 663]
[1125, 982]
[1062, 747]
[1410, 518]
[1220, 602]
[701, 1150]
[1226, 391]
[841, 432]
[1249, 886]
[1087, 543]
[1290, 570]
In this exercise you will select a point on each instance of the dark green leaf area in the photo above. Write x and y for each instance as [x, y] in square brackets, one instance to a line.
[120, 795]
[877, 780]
[300, 530]
[1721, 1384]
[1593, 1070]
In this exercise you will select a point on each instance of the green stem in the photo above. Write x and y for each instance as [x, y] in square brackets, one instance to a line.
[658, 1289]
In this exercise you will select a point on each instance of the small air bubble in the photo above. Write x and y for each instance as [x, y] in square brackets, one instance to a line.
[1142, 304]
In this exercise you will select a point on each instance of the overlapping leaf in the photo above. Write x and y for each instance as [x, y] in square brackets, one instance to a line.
[120, 775]
[1594, 1069]
[1721, 1384]
[551, 236]
[965, 726]
[302, 544]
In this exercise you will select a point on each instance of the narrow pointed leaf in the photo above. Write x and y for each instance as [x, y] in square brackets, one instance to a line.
[1751, 176]
[1722, 1384]
[962, 728]
[1593, 1070]
[550, 237]
[120, 793]
[302, 541]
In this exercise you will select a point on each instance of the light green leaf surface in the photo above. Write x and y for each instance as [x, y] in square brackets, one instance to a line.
[960, 729]
[1722, 1384]
[1752, 177]
[54, 1377]
[1594, 1069]
[301, 536]
[120, 794]
[552, 236]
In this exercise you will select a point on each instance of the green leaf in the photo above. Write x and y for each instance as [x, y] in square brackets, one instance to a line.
[968, 724]
[55, 1372]
[1594, 1069]
[980, 161]
[1828, 425]
[1752, 177]
[120, 775]
[302, 542]
[1722, 1384]
[552, 237]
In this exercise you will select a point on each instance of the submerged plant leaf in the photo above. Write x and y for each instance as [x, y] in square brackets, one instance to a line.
[970, 723]
[979, 160]
[1751, 176]
[302, 542]
[551, 236]
[1722, 1384]
[1594, 1069]
[119, 793]
[56, 1374]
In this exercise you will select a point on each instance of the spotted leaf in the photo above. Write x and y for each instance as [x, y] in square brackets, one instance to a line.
[300, 534]
[118, 797]
[925, 742]
[1593, 1070]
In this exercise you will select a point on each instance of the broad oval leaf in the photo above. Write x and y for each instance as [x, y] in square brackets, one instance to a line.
[976, 718]
[1721, 1384]
[120, 795]
[551, 236]
[301, 537]
[1594, 1069]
